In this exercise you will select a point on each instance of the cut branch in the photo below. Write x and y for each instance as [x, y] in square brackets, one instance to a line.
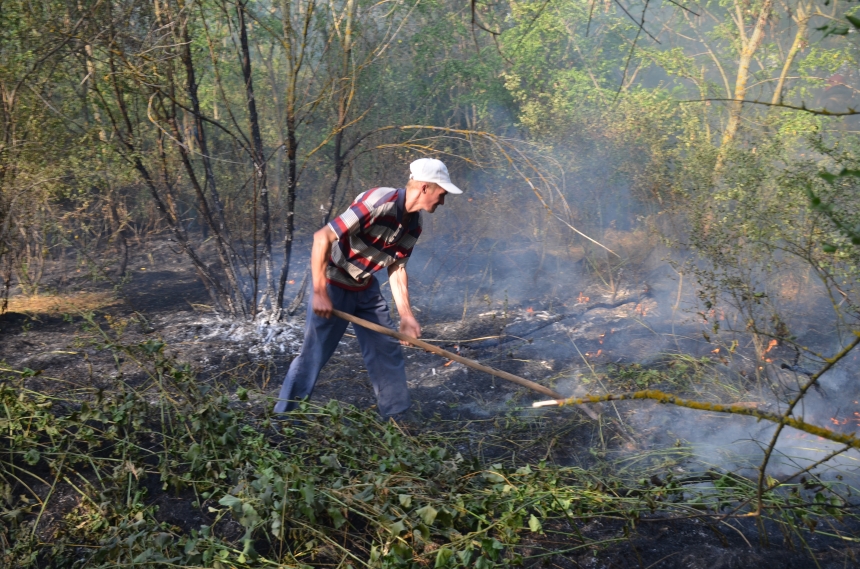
[736, 409]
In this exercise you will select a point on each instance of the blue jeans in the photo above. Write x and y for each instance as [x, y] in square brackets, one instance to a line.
[382, 354]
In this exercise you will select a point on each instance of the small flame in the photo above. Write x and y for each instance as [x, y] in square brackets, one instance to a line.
[582, 299]
[291, 281]
[530, 310]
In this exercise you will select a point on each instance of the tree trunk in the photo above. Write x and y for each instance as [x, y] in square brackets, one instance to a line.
[216, 220]
[748, 49]
[294, 63]
[802, 20]
[258, 153]
[131, 153]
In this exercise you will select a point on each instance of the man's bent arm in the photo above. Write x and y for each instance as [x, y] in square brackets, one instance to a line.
[400, 290]
[320, 255]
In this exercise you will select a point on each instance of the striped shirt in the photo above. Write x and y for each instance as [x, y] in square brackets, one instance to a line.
[374, 233]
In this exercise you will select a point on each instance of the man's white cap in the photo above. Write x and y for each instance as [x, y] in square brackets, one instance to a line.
[432, 170]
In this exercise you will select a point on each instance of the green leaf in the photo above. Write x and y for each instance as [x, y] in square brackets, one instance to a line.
[143, 557]
[248, 552]
[365, 495]
[428, 514]
[443, 556]
[405, 500]
[855, 21]
[32, 457]
[336, 517]
[493, 477]
[152, 346]
[534, 524]
[398, 527]
[402, 550]
[189, 546]
[308, 493]
[194, 451]
[231, 502]
[250, 517]
[330, 460]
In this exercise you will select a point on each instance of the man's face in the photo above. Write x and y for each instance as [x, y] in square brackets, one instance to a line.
[433, 196]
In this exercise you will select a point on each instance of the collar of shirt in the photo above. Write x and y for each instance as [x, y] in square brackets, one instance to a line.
[402, 215]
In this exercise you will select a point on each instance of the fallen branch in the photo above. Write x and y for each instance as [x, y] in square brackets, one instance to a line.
[738, 409]
[452, 356]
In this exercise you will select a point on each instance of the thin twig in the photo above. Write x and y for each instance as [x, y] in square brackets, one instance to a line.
[850, 112]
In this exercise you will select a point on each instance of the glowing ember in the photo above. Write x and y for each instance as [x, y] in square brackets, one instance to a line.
[582, 299]
[530, 310]
[717, 351]
[713, 314]
[771, 345]
[852, 422]
[600, 338]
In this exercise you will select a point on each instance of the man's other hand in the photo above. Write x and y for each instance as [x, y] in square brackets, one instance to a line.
[410, 327]
[322, 304]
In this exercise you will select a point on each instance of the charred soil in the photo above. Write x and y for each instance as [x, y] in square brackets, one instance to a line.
[570, 342]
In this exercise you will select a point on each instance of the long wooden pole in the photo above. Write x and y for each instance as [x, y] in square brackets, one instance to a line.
[450, 355]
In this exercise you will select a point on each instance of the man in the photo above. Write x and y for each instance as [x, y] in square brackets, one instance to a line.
[378, 231]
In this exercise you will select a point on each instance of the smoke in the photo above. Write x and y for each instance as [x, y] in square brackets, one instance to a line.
[494, 260]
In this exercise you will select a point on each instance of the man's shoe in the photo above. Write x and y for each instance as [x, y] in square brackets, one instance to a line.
[411, 419]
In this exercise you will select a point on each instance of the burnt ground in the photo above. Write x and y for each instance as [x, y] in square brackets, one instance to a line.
[559, 336]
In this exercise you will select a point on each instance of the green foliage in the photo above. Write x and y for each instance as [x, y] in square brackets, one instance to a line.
[328, 485]
[842, 218]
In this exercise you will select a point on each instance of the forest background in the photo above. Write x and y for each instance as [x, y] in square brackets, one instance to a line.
[231, 127]
[722, 134]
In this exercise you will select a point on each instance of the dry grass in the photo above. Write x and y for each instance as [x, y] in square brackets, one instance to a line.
[633, 245]
[63, 303]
